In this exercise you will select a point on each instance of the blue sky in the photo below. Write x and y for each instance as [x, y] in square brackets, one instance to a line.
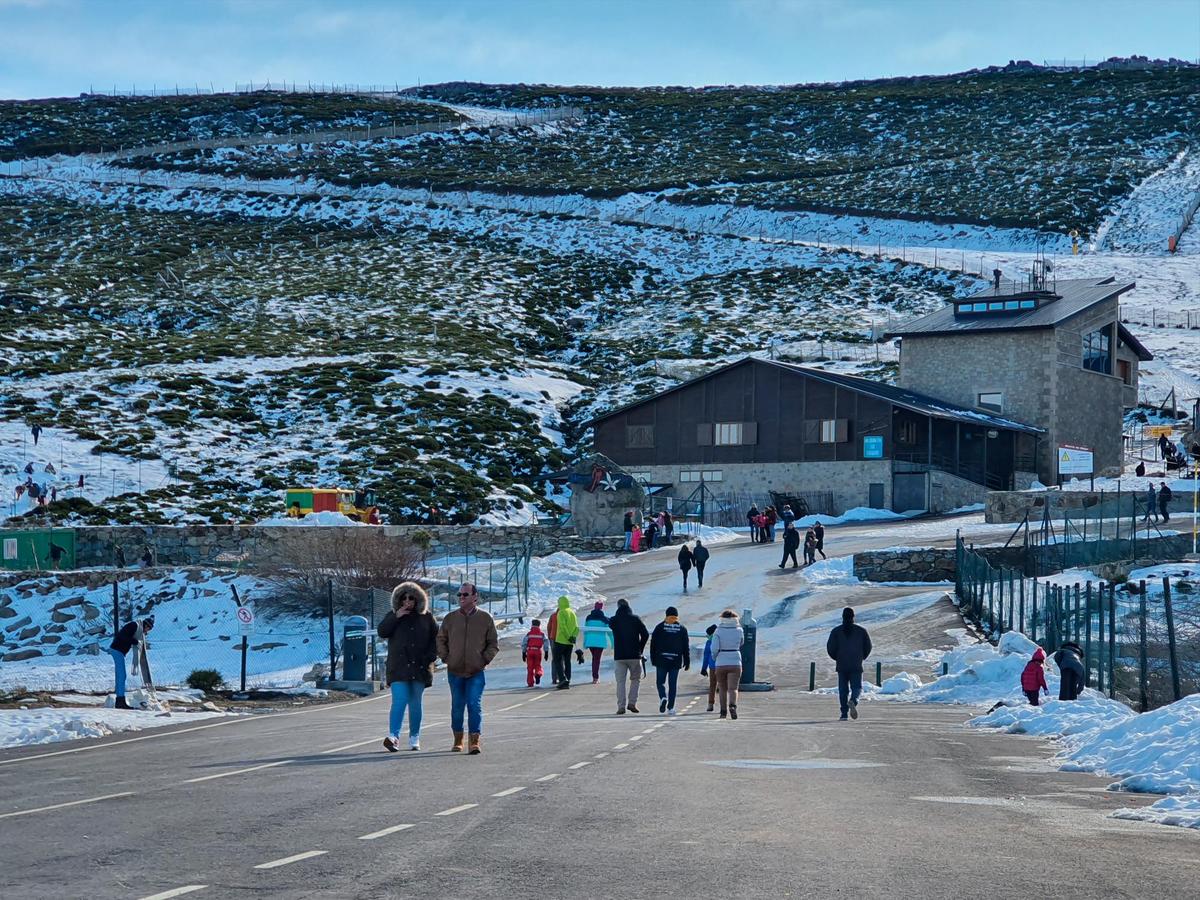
[61, 47]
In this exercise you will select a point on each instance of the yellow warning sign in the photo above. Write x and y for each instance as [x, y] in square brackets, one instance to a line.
[1158, 430]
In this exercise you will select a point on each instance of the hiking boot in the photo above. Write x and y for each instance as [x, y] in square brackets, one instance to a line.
[842, 717]
[662, 706]
[121, 704]
[474, 744]
[620, 712]
[390, 744]
[710, 707]
[537, 680]
[633, 709]
[724, 714]
[733, 712]
[854, 709]
[458, 742]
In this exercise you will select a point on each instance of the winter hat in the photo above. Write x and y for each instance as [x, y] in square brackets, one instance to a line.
[147, 623]
[599, 605]
[847, 615]
[1039, 654]
[672, 611]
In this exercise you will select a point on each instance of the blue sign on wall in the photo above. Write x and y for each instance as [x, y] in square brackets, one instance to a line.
[873, 446]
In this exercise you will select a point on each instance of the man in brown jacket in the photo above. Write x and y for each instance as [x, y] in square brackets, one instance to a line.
[466, 643]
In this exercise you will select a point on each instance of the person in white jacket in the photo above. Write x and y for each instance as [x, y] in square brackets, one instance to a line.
[727, 643]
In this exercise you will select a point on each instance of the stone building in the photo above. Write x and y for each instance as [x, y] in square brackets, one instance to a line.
[1052, 354]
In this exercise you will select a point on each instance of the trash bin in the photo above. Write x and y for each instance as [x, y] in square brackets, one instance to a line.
[750, 631]
[354, 649]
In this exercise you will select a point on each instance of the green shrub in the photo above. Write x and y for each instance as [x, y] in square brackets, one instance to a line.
[207, 680]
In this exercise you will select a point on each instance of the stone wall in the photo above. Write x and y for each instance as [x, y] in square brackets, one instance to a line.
[264, 546]
[1011, 506]
[925, 563]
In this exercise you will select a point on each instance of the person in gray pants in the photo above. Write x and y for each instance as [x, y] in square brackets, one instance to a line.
[629, 642]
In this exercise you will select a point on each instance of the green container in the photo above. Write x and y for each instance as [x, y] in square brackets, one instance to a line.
[37, 549]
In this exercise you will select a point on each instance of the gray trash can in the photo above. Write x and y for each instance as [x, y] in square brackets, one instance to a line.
[354, 649]
[750, 630]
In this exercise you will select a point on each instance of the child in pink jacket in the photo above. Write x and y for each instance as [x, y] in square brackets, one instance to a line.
[1034, 676]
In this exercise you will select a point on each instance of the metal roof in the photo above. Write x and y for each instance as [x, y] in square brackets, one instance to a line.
[1073, 296]
[920, 403]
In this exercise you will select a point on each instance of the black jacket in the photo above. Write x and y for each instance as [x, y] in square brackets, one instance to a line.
[669, 647]
[412, 646]
[700, 556]
[685, 558]
[628, 523]
[791, 540]
[629, 634]
[849, 647]
[1164, 494]
[126, 637]
[1070, 669]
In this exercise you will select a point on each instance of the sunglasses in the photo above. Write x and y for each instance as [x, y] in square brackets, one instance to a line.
[466, 594]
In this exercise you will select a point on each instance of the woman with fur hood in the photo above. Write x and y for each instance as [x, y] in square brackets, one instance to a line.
[411, 633]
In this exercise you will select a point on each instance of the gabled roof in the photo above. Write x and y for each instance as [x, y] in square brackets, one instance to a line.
[1068, 297]
[1129, 340]
[920, 403]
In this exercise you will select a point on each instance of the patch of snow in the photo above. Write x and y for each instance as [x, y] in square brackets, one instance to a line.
[19, 728]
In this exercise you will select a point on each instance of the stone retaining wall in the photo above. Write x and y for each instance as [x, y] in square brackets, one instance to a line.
[925, 563]
[1012, 506]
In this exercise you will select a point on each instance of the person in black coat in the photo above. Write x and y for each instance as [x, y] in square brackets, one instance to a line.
[411, 633]
[669, 651]
[627, 524]
[791, 543]
[685, 564]
[700, 560]
[752, 514]
[629, 642]
[1164, 497]
[1069, 658]
[127, 636]
[849, 645]
[818, 531]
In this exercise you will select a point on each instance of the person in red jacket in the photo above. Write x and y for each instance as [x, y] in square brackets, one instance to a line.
[534, 649]
[1034, 676]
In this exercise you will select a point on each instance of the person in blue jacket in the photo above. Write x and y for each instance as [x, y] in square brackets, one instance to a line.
[597, 637]
[709, 667]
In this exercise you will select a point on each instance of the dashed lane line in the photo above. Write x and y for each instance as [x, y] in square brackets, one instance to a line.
[636, 737]
[600, 755]
[384, 832]
[367, 741]
[650, 730]
[549, 777]
[508, 792]
[620, 746]
[27, 812]
[288, 860]
[270, 765]
[579, 765]
[177, 892]
[454, 810]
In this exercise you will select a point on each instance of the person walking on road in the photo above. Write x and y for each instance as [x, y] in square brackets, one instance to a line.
[629, 643]
[709, 668]
[699, 560]
[129, 634]
[1069, 658]
[727, 657]
[669, 652]
[686, 560]
[1151, 504]
[849, 645]
[810, 547]
[563, 630]
[628, 526]
[752, 515]
[1033, 677]
[1164, 497]
[534, 650]
[791, 543]
[818, 531]
[597, 637]
[668, 525]
[411, 634]
[787, 515]
[467, 644]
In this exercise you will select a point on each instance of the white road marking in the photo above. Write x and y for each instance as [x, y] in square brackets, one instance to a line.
[509, 792]
[26, 812]
[579, 765]
[536, 699]
[600, 755]
[621, 746]
[177, 892]
[270, 765]
[514, 706]
[288, 860]
[456, 809]
[636, 737]
[659, 725]
[384, 832]
[236, 720]
[549, 777]
[351, 746]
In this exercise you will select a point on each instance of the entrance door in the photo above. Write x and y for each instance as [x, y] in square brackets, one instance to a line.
[908, 491]
[875, 499]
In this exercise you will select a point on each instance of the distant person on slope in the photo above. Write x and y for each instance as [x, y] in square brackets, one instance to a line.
[411, 634]
[563, 630]
[535, 649]
[1069, 658]
[597, 637]
[791, 543]
[699, 560]
[709, 667]
[727, 656]
[849, 645]
[686, 560]
[629, 643]
[1034, 677]
[131, 633]
[669, 651]
[467, 644]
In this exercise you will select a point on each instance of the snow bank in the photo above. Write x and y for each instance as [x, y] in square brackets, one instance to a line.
[709, 534]
[857, 514]
[315, 519]
[21, 727]
[981, 674]
[899, 683]
[835, 570]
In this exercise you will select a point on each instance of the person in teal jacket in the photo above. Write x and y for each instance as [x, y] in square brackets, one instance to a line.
[597, 637]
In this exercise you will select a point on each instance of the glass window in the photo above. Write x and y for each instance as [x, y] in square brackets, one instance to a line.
[906, 431]
[991, 400]
[980, 307]
[1097, 351]
[688, 476]
[714, 475]
[727, 433]
[1011, 304]
[995, 306]
[1028, 304]
[638, 437]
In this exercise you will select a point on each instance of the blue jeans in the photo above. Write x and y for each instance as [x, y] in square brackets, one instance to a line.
[466, 692]
[629, 540]
[666, 678]
[119, 662]
[406, 694]
[849, 686]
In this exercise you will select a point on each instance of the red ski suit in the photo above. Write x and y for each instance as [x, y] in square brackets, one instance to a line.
[534, 648]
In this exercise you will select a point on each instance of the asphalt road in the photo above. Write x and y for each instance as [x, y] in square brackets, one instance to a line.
[569, 800]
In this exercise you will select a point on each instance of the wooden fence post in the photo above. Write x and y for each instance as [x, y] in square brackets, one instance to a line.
[1171, 651]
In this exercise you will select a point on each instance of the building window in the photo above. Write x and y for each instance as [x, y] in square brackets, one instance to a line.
[714, 475]
[727, 434]
[1097, 351]
[689, 475]
[1125, 370]
[694, 476]
[639, 437]
[826, 431]
[1028, 304]
[993, 401]
[906, 432]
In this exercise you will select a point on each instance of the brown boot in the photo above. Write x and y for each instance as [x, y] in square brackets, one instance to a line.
[458, 742]
[475, 748]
